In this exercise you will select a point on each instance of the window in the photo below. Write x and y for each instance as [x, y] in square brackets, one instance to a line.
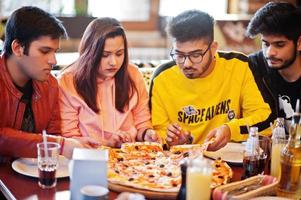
[134, 14]
[123, 10]
[56, 7]
[215, 8]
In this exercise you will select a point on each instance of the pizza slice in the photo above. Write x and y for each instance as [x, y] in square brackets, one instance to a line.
[221, 174]
[142, 146]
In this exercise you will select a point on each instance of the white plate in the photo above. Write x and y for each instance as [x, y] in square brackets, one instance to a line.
[231, 153]
[29, 167]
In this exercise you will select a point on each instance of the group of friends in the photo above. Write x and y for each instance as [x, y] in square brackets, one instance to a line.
[101, 98]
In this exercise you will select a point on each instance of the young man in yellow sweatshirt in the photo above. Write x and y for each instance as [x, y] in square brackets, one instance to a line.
[203, 93]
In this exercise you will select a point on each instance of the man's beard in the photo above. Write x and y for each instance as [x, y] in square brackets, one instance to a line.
[205, 68]
[287, 63]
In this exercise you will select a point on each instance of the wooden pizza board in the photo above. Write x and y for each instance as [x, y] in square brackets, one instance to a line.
[147, 193]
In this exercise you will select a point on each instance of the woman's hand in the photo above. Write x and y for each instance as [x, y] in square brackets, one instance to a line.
[125, 136]
[116, 139]
[77, 142]
[152, 136]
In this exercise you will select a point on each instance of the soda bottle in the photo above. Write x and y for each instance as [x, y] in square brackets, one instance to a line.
[182, 192]
[251, 155]
[279, 130]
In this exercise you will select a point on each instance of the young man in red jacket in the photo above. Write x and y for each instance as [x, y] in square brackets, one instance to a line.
[28, 92]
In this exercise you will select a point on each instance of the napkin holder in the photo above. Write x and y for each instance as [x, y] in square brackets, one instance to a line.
[87, 167]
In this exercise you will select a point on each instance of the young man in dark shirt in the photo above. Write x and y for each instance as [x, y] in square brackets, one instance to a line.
[28, 92]
[277, 67]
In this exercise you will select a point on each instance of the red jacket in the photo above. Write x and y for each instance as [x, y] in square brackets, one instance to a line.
[16, 143]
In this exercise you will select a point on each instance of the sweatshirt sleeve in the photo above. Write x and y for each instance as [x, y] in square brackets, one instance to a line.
[255, 111]
[160, 119]
[69, 112]
[141, 111]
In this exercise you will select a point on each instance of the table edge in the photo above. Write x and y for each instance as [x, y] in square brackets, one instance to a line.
[6, 192]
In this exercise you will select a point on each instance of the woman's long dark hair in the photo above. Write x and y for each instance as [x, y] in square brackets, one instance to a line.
[87, 67]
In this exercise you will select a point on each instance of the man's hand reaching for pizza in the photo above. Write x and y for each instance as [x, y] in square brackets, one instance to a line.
[221, 137]
[176, 135]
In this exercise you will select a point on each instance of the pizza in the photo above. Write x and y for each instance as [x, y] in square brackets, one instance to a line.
[221, 173]
[145, 165]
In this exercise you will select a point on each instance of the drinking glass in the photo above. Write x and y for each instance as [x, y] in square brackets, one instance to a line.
[47, 163]
[265, 144]
[277, 146]
[199, 177]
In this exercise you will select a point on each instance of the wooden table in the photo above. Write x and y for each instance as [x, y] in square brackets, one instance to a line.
[16, 186]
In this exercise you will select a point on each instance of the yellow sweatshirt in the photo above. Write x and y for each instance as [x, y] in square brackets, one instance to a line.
[228, 95]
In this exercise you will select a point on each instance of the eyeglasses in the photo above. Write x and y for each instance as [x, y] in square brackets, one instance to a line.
[195, 57]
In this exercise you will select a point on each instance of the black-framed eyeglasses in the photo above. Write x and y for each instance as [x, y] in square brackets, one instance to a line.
[195, 57]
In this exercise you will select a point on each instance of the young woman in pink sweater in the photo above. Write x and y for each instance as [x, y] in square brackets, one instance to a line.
[103, 96]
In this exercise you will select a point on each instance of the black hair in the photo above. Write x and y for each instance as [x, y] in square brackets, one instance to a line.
[191, 25]
[276, 18]
[27, 24]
